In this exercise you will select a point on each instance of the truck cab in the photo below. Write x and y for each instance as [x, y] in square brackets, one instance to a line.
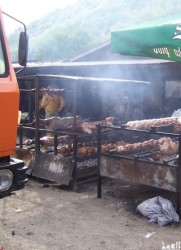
[12, 171]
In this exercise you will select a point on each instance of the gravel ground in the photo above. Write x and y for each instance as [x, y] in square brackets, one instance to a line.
[51, 218]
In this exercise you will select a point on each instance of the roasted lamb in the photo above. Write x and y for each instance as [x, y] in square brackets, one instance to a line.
[67, 123]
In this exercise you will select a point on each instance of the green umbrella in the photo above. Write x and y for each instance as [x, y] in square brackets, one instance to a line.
[158, 39]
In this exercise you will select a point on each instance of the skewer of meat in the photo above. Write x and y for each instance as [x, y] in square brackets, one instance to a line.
[82, 151]
[48, 141]
[139, 146]
[86, 151]
[147, 124]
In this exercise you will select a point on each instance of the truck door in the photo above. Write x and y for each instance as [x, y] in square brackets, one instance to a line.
[9, 100]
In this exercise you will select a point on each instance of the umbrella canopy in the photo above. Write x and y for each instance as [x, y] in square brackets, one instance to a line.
[158, 39]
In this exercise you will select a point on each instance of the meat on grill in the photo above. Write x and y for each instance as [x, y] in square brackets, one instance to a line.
[65, 149]
[110, 147]
[139, 146]
[82, 150]
[89, 127]
[86, 151]
[57, 123]
[107, 147]
[48, 141]
[147, 124]
[177, 127]
[165, 146]
[168, 147]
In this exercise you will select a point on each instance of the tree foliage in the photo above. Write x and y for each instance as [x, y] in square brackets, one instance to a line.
[65, 33]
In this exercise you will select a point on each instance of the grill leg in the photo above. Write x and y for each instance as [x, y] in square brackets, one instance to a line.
[179, 203]
[99, 193]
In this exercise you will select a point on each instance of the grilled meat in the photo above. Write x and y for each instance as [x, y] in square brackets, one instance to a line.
[48, 141]
[168, 147]
[82, 151]
[86, 151]
[89, 127]
[57, 123]
[65, 149]
[139, 146]
[147, 124]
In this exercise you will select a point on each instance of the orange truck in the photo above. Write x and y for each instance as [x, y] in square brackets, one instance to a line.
[12, 171]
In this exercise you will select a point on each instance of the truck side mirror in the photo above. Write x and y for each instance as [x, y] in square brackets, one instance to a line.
[23, 49]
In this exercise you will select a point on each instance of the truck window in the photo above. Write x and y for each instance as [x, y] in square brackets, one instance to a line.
[2, 61]
[4, 66]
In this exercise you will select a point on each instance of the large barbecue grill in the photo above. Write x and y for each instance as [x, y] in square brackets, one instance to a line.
[79, 162]
[142, 165]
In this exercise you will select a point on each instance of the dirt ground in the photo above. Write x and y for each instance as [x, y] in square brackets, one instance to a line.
[51, 218]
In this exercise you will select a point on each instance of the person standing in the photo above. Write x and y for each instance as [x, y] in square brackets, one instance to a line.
[137, 114]
[53, 104]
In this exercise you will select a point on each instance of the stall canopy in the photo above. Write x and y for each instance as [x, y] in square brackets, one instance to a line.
[159, 39]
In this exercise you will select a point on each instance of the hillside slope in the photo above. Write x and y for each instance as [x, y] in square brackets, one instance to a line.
[65, 33]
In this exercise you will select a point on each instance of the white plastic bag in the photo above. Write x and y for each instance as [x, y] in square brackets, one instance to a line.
[158, 210]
